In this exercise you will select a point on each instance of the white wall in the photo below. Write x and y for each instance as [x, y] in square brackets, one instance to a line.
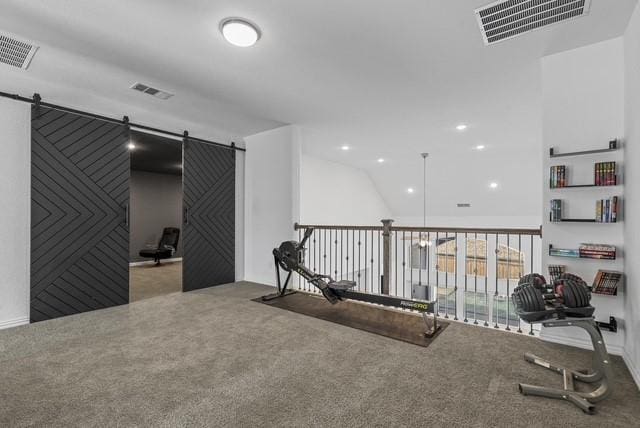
[271, 207]
[332, 193]
[583, 108]
[15, 194]
[632, 186]
[528, 222]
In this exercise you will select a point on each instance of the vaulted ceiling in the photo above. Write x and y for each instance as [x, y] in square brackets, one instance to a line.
[389, 78]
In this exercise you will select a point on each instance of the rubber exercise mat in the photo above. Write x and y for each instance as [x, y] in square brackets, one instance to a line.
[405, 326]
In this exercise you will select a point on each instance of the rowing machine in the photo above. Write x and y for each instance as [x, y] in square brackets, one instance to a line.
[289, 256]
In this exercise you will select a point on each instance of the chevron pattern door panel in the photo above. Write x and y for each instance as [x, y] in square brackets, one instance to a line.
[79, 205]
[209, 217]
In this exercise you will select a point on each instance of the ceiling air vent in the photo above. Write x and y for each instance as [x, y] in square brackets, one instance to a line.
[15, 52]
[464, 205]
[506, 19]
[158, 93]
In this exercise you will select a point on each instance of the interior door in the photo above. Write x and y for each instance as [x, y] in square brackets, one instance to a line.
[209, 215]
[79, 214]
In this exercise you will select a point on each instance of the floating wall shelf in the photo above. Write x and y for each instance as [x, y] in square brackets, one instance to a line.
[613, 146]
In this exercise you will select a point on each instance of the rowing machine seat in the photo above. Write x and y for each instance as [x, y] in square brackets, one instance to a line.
[342, 284]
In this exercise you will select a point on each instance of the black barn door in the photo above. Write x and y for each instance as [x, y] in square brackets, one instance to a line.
[209, 215]
[79, 210]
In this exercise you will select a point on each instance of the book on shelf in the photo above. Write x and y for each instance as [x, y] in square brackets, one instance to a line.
[606, 282]
[597, 251]
[605, 174]
[556, 210]
[556, 270]
[564, 252]
[607, 210]
[558, 176]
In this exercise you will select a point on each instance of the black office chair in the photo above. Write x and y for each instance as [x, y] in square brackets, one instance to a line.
[166, 247]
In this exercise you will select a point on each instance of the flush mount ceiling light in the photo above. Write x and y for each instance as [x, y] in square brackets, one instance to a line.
[240, 32]
[410, 190]
[345, 148]
[380, 160]
[480, 147]
[131, 146]
[461, 127]
[493, 185]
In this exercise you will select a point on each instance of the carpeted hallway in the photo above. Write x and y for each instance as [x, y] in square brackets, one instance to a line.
[215, 358]
[146, 281]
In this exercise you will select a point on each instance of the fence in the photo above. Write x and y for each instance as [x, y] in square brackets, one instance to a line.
[470, 272]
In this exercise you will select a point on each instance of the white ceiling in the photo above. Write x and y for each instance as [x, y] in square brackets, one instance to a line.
[391, 78]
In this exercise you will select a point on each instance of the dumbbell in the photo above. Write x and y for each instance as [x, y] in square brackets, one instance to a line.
[573, 290]
[532, 294]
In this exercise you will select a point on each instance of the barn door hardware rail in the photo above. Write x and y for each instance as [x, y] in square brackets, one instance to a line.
[37, 101]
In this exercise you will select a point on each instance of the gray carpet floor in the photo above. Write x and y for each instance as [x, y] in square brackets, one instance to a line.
[146, 281]
[215, 358]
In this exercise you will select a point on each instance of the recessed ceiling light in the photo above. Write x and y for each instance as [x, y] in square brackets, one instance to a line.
[493, 185]
[380, 160]
[410, 190]
[240, 32]
[131, 146]
[480, 147]
[461, 127]
[345, 148]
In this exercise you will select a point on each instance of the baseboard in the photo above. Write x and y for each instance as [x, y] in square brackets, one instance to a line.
[151, 262]
[579, 343]
[633, 369]
[14, 322]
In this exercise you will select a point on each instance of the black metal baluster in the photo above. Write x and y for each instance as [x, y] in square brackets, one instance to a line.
[475, 273]
[324, 253]
[429, 261]
[446, 276]
[410, 264]
[353, 255]
[437, 256]
[299, 239]
[508, 277]
[359, 258]
[335, 266]
[486, 278]
[495, 294]
[520, 272]
[404, 262]
[372, 273]
[395, 265]
[466, 274]
[455, 279]
[420, 253]
[531, 271]
[379, 274]
[365, 261]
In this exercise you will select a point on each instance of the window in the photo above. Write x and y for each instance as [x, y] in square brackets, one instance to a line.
[510, 260]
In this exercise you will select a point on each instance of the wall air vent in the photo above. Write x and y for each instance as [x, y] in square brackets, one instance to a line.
[506, 19]
[16, 52]
[464, 205]
[158, 93]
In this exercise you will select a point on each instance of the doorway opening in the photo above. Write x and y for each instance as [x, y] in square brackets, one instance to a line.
[155, 225]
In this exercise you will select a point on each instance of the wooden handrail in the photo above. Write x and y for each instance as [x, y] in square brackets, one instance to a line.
[490, 231]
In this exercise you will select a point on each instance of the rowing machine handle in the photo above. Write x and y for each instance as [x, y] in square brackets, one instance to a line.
[307, 234]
